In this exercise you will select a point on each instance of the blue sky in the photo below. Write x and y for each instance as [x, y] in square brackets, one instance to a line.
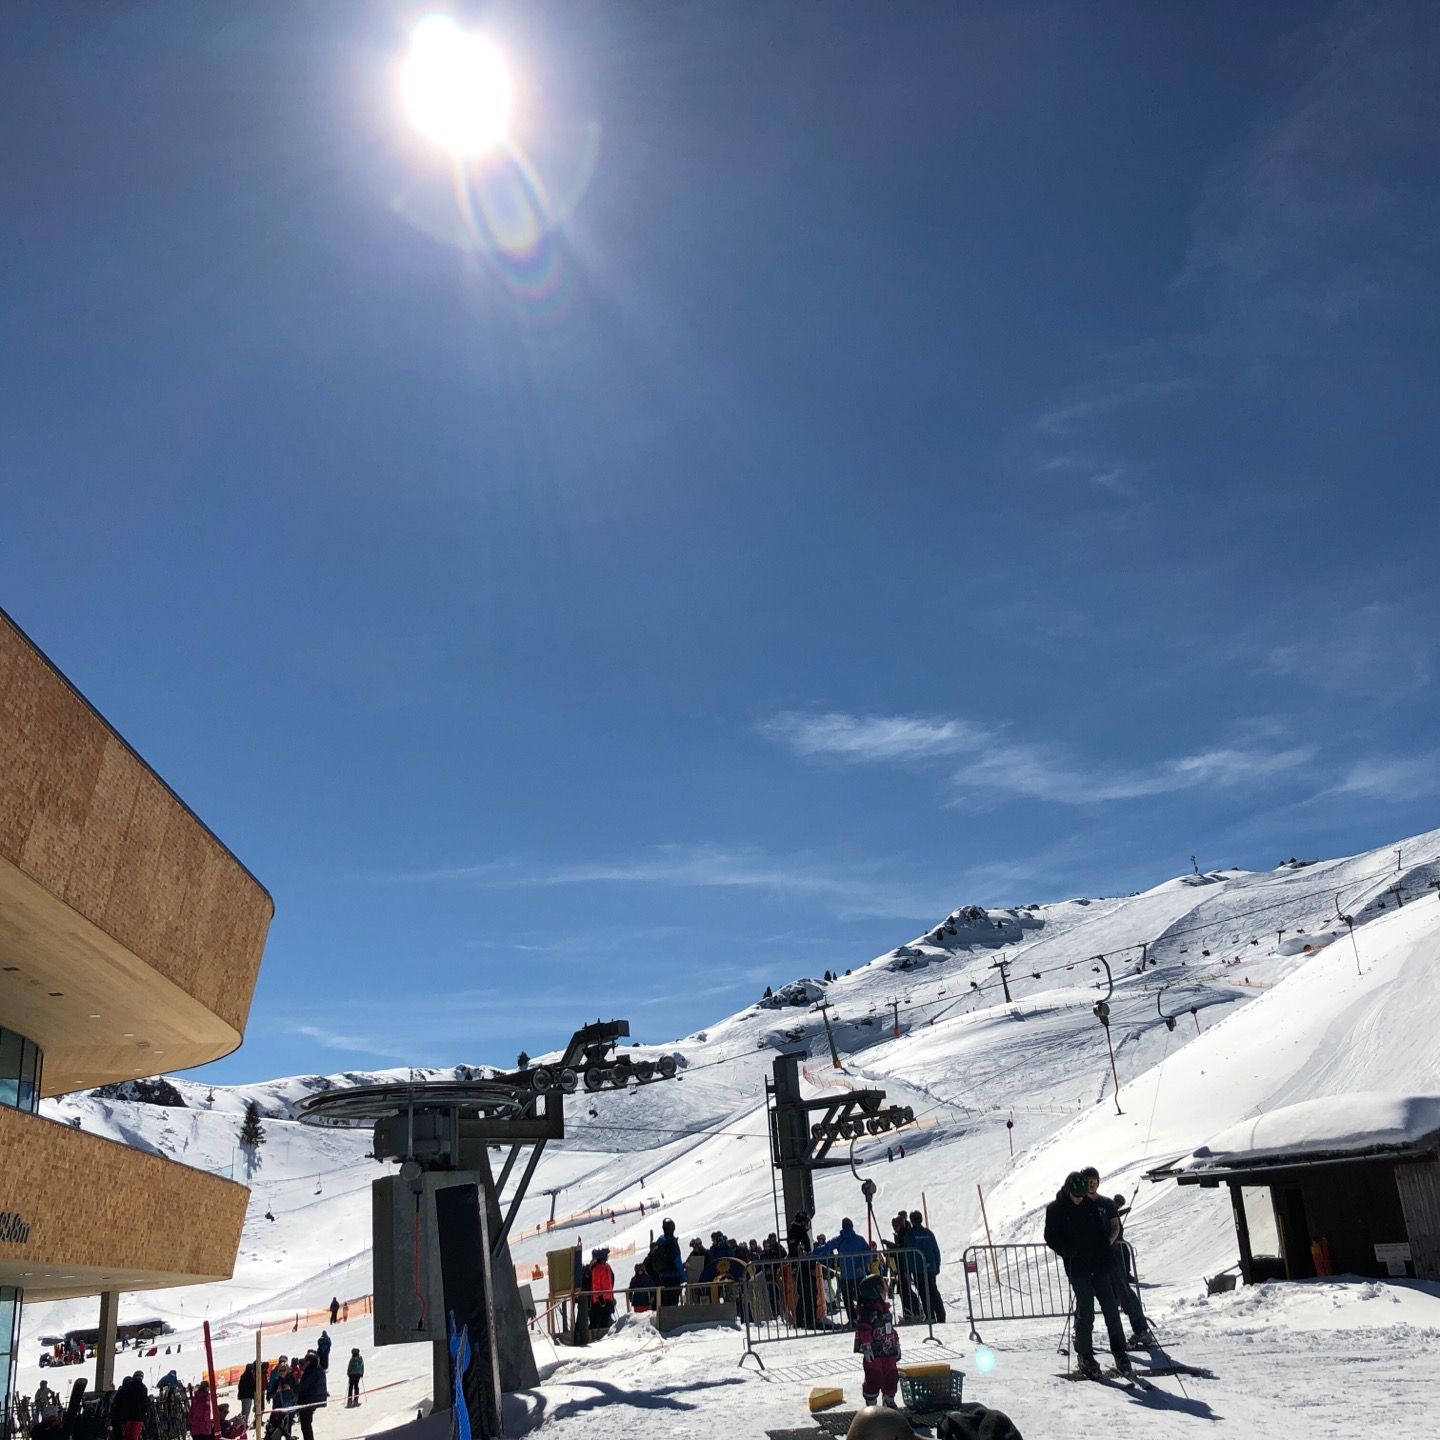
[845, 463]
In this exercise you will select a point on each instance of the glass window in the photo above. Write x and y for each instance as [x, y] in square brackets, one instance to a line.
[30, 1077]
[20, 1061]
[10, 1047]
[1260, 1219]
[9, 1324]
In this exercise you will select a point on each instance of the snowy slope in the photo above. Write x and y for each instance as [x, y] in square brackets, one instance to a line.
[1280, 1015]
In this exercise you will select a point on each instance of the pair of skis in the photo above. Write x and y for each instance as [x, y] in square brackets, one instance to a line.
[1139, 1377]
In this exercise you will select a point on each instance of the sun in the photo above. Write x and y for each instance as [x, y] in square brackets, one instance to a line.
[456, 87]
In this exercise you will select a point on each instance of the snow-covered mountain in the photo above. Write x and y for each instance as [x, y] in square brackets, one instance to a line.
[1273, 1001]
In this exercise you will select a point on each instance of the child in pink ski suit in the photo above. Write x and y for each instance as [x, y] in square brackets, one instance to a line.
[877, 1341]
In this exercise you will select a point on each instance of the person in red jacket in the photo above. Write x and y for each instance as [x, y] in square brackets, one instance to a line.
[876, 1341]
[602, 1292]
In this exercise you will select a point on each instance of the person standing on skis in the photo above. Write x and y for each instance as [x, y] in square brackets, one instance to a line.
[1141, 1335]
[1078, 1231]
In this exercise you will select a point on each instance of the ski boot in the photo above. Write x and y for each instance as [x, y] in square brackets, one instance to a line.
[1142, 1340]
[1088, 1367]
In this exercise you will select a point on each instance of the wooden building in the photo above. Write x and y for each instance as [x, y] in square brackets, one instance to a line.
[1342, 1185]
[130, 942]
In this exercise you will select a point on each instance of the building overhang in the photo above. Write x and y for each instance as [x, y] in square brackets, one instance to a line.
[97, 1010]
[80, 1214]
[130, 937]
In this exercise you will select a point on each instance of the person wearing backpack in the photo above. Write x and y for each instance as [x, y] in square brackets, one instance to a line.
[354, 1372]
[666, 1265]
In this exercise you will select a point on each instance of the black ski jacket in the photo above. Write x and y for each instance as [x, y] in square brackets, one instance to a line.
[1079, 1235]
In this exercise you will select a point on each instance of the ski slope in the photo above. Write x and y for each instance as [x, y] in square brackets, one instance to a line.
[1273, 1004]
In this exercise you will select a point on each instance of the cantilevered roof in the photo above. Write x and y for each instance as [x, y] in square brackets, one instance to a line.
[130, 937]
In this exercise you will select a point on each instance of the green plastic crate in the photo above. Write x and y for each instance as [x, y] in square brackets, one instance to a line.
[926, 1393]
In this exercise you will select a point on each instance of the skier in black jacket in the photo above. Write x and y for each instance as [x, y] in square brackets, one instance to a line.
[1141, 1335]
[1079, 1233]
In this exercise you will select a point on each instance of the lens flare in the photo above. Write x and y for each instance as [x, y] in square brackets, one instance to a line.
[456, 87]
[985, 1359]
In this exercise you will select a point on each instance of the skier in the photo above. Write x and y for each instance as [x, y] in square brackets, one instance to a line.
[922, 1239]
[280, 1393]
[1142, 1337]
[602, 1292]
[1079, 1233]
[694, 1268]
[322, 1349]
[334, 1310]
[245, 1392]
[354, 1373]
[666, 1265]
[877, 1342]
[130, 1406]
[903, 1262]
[642, 1297]
[798, 1238]
[202, 1413]
[854, 1255]
[46, 1401]
[312, 1394]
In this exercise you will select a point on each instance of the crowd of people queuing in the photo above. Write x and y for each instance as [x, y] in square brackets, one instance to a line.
[293, 1389]
[806, 1280]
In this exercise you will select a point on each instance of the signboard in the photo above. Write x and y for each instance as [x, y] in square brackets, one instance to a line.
[14, 1228]
[1395, 1258]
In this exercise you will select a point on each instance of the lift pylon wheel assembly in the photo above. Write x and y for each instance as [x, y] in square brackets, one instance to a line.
[435, 1259]
[800, 1144]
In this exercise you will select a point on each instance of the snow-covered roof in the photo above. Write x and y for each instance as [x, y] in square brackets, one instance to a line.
[1365, 1122]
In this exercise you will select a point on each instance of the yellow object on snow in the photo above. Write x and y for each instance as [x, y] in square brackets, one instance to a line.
[825, 1399]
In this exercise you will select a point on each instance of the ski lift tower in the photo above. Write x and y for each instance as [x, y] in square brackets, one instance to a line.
[803, 1132]
[442, 1224]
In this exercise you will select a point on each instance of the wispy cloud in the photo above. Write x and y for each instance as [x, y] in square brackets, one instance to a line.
[848, 889]
[1042, 772]
[1318, 223]
[399, 1027]
[994, 764]
[1394, 778]
[1100, 398]
[872, 737]
[1325, 212]
[1375, 650]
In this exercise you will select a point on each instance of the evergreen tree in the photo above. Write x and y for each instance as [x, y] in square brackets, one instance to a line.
[252, 1132]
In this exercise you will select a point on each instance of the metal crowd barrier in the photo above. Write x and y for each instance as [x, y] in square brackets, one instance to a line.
[1021, 1282]
[801, 1299]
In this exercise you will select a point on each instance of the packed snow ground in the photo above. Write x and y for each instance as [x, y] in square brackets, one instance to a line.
[1280, 1015]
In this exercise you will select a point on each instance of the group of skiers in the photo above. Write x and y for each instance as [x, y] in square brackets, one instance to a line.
[802, 1281]
[1085, 1229]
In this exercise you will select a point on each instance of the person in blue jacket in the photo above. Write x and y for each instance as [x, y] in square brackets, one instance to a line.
[922, 1239]
[855, 1256]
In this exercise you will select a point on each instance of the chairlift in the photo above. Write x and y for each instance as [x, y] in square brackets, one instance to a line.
[319, 1188]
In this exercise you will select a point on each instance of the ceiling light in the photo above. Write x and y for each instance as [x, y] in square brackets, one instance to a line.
[57, 994]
